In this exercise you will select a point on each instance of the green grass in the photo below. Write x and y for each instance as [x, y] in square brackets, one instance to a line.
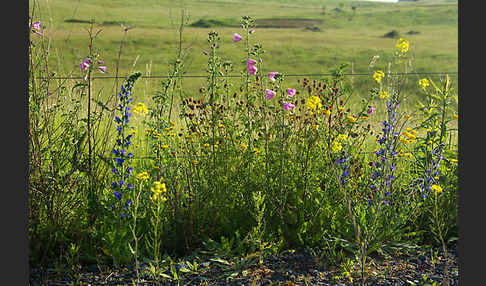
[347, 36]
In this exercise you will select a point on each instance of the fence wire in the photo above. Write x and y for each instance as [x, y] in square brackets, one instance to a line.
[237, 76]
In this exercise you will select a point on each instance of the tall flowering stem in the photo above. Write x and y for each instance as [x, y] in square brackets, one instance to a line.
[122, 157]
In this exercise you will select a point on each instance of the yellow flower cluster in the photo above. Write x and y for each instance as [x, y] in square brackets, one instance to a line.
[409, 136]
[143, 176]
[159, 189]
[336, 146]
[384, 95]
[342, 137]
[351, 119]
[436, 188]
[402, 45]
[378, 75]
[140, 109]
[424, 83]
[313, 102]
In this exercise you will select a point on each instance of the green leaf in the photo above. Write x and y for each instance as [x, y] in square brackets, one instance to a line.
[219, 260]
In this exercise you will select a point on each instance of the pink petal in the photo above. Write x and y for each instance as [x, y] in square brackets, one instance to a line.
[252, 31]
[102, 69]
[272, 76]
[270, 93]
[251, 62]
[288, 106]
[252, 69]
[236, 37]
[85, 64]
[36, 25]
[371, 109]
[290, 91]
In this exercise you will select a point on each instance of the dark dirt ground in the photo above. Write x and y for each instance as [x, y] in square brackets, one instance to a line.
[419, 268]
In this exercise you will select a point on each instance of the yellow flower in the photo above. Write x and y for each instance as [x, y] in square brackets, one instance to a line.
[244, 147]
[315, 126]
[140, 109]
[158, 189]
[409, 135]
[336, 146]
[171, 134]
[313, 102]
[351, 119]
[326, 112]
[256, 151]
[164, 146]
[453, 160]
[384, 94]
[455, 116]
[221, 125]
[143, 176]
[195, 162]
[172, 124]
[414, 132]
[402, 45]
[342, 137]
[206, 145]
[424, 83]
[378, 75]
[436, 188]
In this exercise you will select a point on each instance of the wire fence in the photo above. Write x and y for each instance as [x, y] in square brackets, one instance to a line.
[237, 76]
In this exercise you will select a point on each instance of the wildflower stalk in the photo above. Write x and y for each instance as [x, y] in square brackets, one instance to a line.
[133, 229]
[91, 189]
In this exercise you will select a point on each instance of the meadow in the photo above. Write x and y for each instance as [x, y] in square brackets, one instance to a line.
[257, 155]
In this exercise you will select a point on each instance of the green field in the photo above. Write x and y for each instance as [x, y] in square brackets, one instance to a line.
[344, 32]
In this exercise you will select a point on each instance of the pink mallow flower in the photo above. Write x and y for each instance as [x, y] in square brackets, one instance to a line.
[272, 76]
[251, 62]
[290, 91]
[371, 109]
[37, 28]
[101, 66]
[252, 69]
[270, 93]
[236, 38]
[85, 64]
[252, 31]
[288, 106]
